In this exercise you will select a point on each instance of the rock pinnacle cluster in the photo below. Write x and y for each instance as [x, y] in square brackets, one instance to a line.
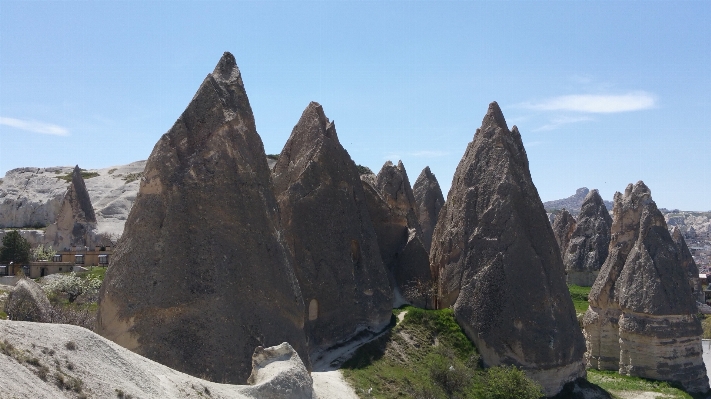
[202, 274]
[429, 200]
[498, 264]
[642, 317]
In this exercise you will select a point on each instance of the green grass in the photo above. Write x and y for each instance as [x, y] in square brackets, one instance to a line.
[580, 297]
[613, 382]
[94, 272]
[428, 356]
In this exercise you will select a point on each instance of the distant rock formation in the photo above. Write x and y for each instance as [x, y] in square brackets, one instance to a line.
[563, 227]
[642, 317]
[27, 302]
[499, 265]
[327, 225]
[202, 274]
[572, 203]
[587, 248]
[429, 200]
[76, 221]
[688, 264]
[392, 209]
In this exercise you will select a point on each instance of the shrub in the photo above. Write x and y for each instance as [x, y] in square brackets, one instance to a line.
[72, 285]
[508, 383]
[41, 252]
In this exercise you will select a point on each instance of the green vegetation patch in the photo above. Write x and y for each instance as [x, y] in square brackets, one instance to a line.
[428, 356]
[84, 174]
[580, 297]
[131, 177]
[615, 383]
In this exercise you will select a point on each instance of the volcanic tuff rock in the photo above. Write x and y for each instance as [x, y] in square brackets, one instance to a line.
[27, 302]
[587, 248]
[642, 317]
[499, 265]
[429, 201]
[76, 221]
[572, 203]
[393, 211]
[688, 264]
[202, 274]
[327, 226]
[563, 227]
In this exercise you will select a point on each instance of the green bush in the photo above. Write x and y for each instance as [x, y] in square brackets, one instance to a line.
[507, 383]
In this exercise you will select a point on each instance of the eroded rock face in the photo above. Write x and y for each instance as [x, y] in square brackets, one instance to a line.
[393, 211]
[202, 274]
[429, 201]
[27, 302]
[587, 248]
[563, 227]
[327, 225]
[688, 264]
[76, 221]
[499, 265]
[642, 317]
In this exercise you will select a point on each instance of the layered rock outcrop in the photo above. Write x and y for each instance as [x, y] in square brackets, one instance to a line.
[429, 201]
[328, 228]
[688, 264]
[393, 210]
[203, 274]
[563, 227]
[642, 317]
[499, 265]
[587, 248]
[76, 220]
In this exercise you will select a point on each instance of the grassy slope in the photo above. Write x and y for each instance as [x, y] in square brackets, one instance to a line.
[580, 297]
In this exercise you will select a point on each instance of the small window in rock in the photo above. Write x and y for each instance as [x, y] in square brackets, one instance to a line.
[313, 310]
[355, 251]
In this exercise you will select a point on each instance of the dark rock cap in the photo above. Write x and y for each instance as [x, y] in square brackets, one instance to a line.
[429, 201]
[328, 228]
[202, 274]
[499, 265]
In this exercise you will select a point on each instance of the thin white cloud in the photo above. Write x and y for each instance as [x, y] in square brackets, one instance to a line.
[596, 103]
[428, 154]
[555, 123]
[34, 126]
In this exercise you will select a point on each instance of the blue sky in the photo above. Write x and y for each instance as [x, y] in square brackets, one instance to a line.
[604, 93]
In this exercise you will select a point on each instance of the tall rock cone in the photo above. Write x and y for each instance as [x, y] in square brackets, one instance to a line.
[76, 221]
[688, 264]
[324, 214]
[563, 227]
[499, 265]
[202, 274]
[429, 201]
[587, 248]
[642, 318]
[393, 211]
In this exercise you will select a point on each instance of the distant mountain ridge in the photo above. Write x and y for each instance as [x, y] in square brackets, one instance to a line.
[572, 203]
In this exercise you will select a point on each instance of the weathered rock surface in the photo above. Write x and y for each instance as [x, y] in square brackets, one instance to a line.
[27, 302]
[572, 203]
[563, 227]
[76, 221]
[499, 265]
[429, 201]
[393, 210]
[202, 274]
[688, 264]
[642, 317]
[327, 225]
[587, 248]
[99, 368]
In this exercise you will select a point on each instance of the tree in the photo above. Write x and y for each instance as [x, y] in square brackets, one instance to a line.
[41, 252]
[15, 248]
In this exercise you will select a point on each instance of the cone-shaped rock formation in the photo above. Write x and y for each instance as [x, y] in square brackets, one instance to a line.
[202, 274]
[588, 245]
[688, 264]
[324, 214]
[393, 211]
[499, 265]
[642, 316]
[76, 221]
[563, 227]
[429, 201]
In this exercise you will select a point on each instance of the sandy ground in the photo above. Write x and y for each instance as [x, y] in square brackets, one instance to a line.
[331, 385]
[639, 395]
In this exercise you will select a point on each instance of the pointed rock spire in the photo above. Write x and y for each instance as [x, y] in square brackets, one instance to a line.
[76, 221]
[563, 228]
[429, 201]
[688, 264]
[202, 274]
[499, 266]
[327, 225]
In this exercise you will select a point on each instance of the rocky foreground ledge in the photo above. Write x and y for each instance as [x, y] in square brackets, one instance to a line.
[40, 360]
